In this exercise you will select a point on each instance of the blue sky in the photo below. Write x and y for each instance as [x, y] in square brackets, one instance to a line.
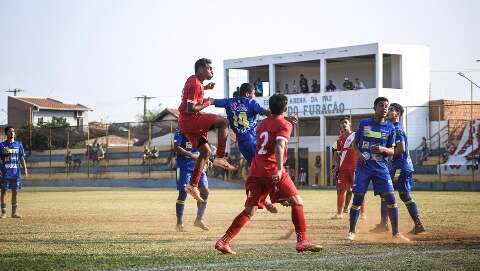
[103, 53]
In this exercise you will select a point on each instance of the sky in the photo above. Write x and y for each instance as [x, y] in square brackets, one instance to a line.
[104, 53]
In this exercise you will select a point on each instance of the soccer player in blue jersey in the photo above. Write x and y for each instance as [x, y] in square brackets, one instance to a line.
[374, 143]
[401, 172]
[12, 156]
[186, 156]
[242, 113]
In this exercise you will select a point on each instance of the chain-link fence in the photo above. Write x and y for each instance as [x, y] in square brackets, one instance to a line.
[443, 144]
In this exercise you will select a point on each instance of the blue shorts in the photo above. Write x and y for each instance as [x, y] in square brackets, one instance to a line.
[402, 180]
[14, 184]
[247, 148]
[183, 178]
[379, 176]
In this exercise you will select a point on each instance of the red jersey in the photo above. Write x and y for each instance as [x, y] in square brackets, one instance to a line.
[192, 93]
[270, 129]
[348, 157]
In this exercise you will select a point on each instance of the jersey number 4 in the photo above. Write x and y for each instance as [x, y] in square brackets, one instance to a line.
[241, 118]
[264, 139]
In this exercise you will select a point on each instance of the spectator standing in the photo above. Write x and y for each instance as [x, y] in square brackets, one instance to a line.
[287, 91]
[359, 84]
[258, 87]
[315, 86]
[330, 87]
[303, 84]
[318, 169]
[295, 89]
[347, 84]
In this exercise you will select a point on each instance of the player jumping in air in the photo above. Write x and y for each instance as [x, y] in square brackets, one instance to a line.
[12, 156]
[401, 172]
[186, 156]
[268, 177]
[345, 162]
[195, 125]
[374, 142]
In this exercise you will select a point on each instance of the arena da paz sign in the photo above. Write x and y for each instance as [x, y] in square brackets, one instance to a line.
[311, 105]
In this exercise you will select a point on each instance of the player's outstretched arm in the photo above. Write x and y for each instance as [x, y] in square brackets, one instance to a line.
[184, 152]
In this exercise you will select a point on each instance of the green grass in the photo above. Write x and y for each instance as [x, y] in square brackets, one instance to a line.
[105, 229]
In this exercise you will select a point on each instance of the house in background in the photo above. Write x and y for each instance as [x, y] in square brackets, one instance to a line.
[25, 110]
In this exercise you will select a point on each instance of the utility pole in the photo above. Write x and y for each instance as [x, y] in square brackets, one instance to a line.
[14, 91]
[145, 100]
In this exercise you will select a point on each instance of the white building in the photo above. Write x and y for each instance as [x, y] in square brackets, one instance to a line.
[399, 72]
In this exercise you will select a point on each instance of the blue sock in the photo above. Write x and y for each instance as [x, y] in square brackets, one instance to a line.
[180, 206]
[3, 205]
[383, 212]
[392, 210]
[201, 207]
[355, 210]
[411, 206]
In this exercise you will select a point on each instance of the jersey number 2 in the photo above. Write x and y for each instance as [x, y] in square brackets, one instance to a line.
[264, 138]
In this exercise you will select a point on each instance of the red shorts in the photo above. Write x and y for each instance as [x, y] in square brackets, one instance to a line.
[258, 188]
[196, 127]
[345, 179]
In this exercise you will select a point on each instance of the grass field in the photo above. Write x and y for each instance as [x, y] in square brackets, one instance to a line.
[133, 229]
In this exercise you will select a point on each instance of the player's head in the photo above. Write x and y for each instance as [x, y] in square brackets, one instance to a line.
[247, 90]
[9, 132]
[380, 105]
[345, 124]
[395, 112]
[278, 104]
[204, 69]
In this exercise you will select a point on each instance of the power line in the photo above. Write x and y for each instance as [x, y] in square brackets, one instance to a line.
[15, 91]
[145, 99]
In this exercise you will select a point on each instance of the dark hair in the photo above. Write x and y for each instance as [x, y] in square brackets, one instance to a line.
[398, 108]
[202, 62]
[277, 103]
[245, 88]
[344, 118]
[379, 100]
[7, 128]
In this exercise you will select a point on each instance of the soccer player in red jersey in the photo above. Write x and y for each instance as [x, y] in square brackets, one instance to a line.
[268, 177]
[345, 164]
[195, 125]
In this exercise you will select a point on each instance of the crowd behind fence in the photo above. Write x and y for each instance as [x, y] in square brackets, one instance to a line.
[449, 150]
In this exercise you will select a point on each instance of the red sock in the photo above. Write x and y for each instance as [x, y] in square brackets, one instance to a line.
[222, 144]
[197, 171]
[340, 201]
[237, 224]
[298, 219]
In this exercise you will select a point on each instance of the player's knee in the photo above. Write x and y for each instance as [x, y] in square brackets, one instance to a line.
[406, 197]
[204, 193]
[357, 200]
[295, 200]
[182, 195]
[390, 199]
[250, 211]
[205, 151]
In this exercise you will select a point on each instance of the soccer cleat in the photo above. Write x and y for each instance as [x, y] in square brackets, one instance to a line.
[305, 245]
[3, 215]
[417, 229]
[223, 163]
[201, 225]
[379, 228]
[287, 235]
[180, 228]
[398, 237]
[345, 211]
[224, 247]
[350, 236]
[193, 191]
[16, 216]
[337, 216]
[271, 208]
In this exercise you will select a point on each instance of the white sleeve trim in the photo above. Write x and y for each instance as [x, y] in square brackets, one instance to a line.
[282, 138]
[191, 101]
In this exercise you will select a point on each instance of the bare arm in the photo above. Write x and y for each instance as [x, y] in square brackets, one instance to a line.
[384, 150]
[193, 108]
[24, 165]
[399, 149]
[184, 152]
[279, 151]
[360, 157]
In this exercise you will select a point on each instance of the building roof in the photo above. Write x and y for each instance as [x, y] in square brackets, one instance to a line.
[168, 111]
[51, 104]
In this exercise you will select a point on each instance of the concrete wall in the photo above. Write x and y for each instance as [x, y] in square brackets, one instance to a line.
[363, 69]
[18, 112]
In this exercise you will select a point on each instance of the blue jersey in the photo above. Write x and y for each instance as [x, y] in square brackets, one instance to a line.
[184, 162]
[370, 134]
[403, 162]
[11, 155]
[242, 115]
